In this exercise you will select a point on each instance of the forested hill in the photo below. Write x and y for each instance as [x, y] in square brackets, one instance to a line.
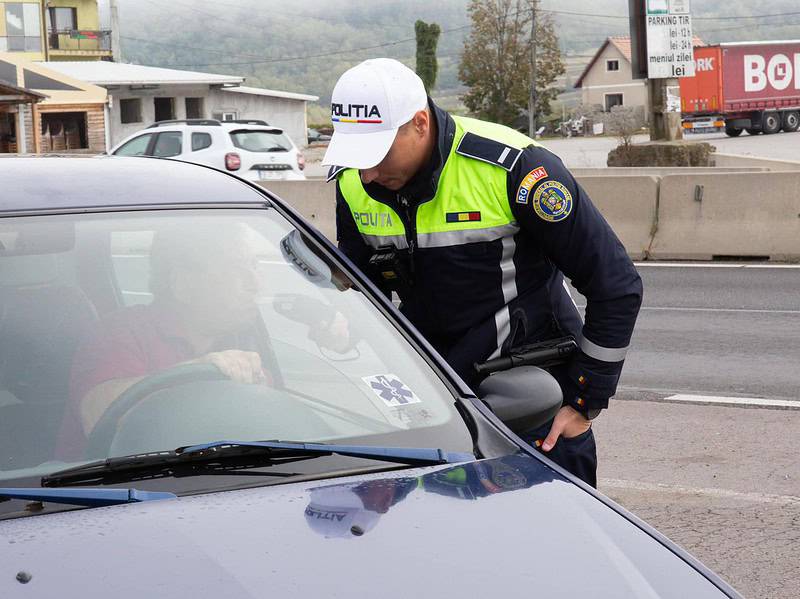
[303, 45]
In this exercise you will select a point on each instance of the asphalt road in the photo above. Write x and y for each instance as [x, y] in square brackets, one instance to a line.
[701, 439]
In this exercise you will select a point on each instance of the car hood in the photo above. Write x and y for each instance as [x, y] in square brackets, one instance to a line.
[508, 526]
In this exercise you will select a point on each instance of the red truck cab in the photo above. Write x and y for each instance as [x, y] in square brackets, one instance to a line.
[752, 86]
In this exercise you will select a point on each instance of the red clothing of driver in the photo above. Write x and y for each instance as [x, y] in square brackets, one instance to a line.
[129, 343]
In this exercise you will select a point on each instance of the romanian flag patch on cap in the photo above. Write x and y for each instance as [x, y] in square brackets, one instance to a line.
[463, 217]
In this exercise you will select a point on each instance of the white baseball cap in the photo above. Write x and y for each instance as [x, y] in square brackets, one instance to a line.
[369, 104]
[334, 511]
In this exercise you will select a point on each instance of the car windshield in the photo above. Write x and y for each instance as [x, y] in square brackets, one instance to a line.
[134, 332]
[261, 141]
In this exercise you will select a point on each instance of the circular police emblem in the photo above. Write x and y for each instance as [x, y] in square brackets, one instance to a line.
[552, 201]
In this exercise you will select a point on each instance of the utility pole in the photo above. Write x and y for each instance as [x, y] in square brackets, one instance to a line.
[116, 48]
[45, 31]
[532, 98]
[648, 39]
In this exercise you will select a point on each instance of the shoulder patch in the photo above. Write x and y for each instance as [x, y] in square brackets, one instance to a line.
[488, 150]
[533, 177]
[552, 201]
[333, 172]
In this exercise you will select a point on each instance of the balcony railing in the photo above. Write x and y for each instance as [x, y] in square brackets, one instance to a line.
[80, 40]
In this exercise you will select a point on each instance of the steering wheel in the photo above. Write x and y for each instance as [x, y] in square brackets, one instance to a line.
[101, 437]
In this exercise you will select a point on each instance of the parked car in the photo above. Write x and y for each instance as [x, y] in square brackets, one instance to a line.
[252, 149]
[340, 456]
[315, 136]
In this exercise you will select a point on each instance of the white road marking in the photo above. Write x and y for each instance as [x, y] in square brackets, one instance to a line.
[720, 310]
[733, 401]
[712, 265]
[613, 483]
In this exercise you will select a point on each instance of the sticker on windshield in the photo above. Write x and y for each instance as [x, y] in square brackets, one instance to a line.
[391, 390]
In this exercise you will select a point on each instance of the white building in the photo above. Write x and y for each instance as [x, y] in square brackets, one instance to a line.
[141, 95]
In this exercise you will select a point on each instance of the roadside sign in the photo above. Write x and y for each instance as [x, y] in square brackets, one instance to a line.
[670, 52]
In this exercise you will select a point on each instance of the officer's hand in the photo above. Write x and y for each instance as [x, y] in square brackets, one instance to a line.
[239, 366]
[333, 335]
[567, 423]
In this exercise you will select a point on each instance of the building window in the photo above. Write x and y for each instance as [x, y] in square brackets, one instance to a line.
[130, 110]
[194, 108]
[612, 65]
[226, 116]
[613, 100]
[165, 109]
[23, 27]
[63, 19]
[200, 141]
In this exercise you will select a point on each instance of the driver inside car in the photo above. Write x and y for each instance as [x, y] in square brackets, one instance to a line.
[204, 310]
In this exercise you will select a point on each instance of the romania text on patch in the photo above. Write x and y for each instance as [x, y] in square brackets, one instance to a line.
[528, 182]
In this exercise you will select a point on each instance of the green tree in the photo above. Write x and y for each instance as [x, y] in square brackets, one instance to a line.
[427, 41]
[495, 62]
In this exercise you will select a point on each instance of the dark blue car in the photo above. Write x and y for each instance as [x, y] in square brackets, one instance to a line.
[199, 397]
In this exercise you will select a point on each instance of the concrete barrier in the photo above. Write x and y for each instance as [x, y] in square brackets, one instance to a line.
[736, 160]
[747, 215]
[629, 205]
[739, 215]
[315, 200]
[662, 171]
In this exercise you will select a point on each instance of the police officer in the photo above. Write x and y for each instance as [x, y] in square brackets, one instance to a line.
[473, 224]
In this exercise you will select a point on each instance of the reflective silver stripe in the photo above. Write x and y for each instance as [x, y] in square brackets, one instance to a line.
[604, 354]
[569, 293]
[448, 238]
[502, 319]
[504, 155]
[376, 241]
[502, 322]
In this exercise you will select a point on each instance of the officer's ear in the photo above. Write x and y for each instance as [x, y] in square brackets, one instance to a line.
[421, 122]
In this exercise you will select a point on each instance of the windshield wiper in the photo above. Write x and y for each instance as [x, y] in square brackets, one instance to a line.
[83, 497]
[276, 149]
[209, 458]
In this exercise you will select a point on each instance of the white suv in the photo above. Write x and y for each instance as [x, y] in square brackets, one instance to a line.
[250, 148]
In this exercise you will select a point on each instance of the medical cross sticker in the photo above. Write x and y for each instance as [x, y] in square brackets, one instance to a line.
[391, 390]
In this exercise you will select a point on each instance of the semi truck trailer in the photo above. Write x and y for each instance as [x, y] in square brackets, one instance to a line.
[744, 86]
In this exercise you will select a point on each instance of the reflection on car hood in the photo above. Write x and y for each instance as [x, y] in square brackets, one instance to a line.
[507, 526]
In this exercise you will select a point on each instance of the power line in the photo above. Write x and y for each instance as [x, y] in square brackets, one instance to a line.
[321, 55]
[182, 47]
[395, 42]
[748, 26]
[216, 17]
[779, 14]
[293, 58]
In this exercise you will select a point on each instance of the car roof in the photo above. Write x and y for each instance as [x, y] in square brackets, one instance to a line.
[62, 183]
[206, 124]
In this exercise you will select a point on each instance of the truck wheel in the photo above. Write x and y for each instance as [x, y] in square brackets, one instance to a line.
[771, 123]
[752, 131]
[791, 121]
[732, 131]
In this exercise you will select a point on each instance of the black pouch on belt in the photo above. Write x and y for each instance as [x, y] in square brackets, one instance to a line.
[392, 265]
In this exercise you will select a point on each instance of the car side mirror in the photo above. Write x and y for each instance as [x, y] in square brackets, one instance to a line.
[524, 398]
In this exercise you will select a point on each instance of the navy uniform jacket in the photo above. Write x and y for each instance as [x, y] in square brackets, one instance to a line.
[457, 290]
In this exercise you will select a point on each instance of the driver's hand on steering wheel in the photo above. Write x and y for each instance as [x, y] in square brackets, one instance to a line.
[240, 366]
